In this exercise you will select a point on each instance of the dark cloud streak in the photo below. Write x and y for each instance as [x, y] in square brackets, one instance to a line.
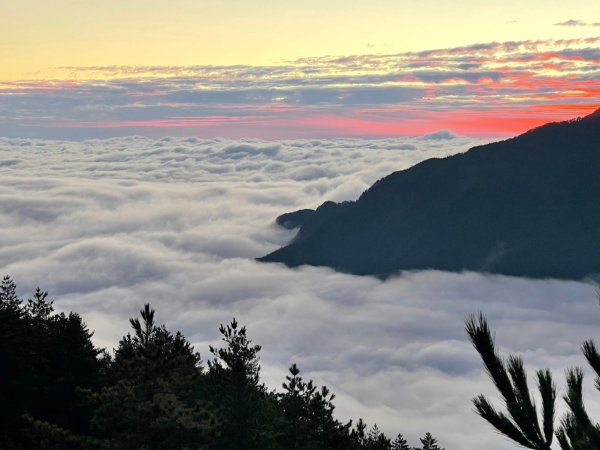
[577, 23]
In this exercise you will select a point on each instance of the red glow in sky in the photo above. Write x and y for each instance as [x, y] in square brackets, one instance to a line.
[502, 123]
[496, 89]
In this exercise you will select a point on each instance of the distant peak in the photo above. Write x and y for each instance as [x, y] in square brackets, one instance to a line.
[440, 135]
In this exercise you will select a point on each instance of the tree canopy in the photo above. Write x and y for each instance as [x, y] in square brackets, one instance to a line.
[58, 391]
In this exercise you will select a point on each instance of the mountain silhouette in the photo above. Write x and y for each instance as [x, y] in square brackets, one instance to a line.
[527, 206]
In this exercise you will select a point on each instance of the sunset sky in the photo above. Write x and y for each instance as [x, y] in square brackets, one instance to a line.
[266, 69]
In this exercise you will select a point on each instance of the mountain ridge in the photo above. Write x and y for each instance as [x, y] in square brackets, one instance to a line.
[524, 206]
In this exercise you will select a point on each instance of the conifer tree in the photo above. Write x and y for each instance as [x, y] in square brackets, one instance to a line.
[294, 409]
[234, 375]
[15, 359]
[151, 398]
[429, 442]
[8, 294]
[358, 434]
[400, 443]
[327, 432]
[376, 440]
[48, 359]
[374, 433]
[58, 391]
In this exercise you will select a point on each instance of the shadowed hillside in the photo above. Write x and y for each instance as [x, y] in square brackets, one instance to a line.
[527, 206]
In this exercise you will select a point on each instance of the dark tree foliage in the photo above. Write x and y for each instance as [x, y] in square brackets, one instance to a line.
[376, 440]
[47, 358]
[235, 389]
[150, 399]
[576, 430]
[295, 410]
[58, 391]
[400, 443]
[429, 443]
[308, 416]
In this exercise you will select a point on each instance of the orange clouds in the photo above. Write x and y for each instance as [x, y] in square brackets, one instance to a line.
[484, 89]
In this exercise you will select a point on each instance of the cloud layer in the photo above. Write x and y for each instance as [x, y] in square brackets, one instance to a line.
[493, 89]
[107, 225]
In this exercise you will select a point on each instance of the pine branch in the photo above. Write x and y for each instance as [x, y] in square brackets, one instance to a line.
[547, 390]
[499, 421]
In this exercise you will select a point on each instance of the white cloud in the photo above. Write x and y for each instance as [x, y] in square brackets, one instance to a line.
[106, 226]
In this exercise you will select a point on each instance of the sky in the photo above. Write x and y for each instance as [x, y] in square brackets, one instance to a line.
[108, 225]
[281, 70]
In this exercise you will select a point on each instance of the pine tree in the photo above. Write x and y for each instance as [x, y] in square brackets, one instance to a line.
[151, 398]
[400, 443]
[234, 377]
[8, 294]
[376, 440]
[429, 442]
[15, 358]
[326, 431]
[238, 357]
[58, 391]
[294, 409]
[48, 359]
[358, 435]
[374, 433]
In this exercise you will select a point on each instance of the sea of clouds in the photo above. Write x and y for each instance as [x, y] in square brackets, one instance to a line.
[108, 225]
